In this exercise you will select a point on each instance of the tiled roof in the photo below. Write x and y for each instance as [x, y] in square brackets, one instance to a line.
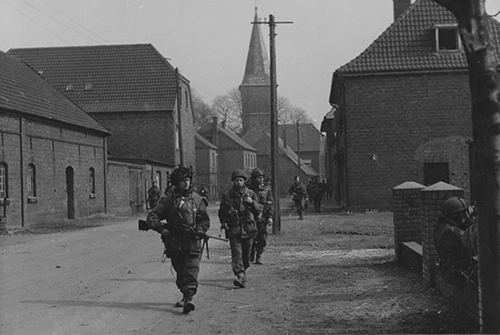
[309, 136]
[107, 78]
[23, 90]
[204, 142]
[408, 44]
[206, 131]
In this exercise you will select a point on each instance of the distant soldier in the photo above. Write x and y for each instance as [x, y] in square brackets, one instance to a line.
[299, 196]
[186, 214]
[265, 197]
[239, 208]
[154, 195]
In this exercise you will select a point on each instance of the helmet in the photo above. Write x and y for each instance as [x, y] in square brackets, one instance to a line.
[239, 173]
[180, 173]
[454, 205]
[257, 173]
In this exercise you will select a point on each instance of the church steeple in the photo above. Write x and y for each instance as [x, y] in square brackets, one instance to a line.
[257, 68]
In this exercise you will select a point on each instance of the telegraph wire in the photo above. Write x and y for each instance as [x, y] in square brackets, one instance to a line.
[57, 20]
[38, 23]
[75, 22]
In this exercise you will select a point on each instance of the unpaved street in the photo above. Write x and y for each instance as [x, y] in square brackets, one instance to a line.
[328, 274]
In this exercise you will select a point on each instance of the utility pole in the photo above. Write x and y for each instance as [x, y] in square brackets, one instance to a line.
[298, 146]
[274, 120]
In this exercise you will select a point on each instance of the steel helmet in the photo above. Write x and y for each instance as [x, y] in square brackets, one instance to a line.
[239, 173]
[180, 173]
[257, 173]
[453, 206]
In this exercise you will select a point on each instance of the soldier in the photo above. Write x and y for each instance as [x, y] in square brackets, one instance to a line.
[154, 195]
[299, 196]
[452, 238]
[239, 208]
[185, 213]
[265, 197]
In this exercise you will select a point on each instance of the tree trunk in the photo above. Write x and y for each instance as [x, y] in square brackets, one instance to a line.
[484, 84]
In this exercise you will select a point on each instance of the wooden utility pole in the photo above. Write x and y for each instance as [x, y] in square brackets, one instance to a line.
[485, 89]
[274, 121]
[298, 147]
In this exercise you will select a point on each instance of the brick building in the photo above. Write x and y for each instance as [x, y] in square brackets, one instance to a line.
[233, 152]
[52, 154]
[133, 91]
[207, 167]
[402, 109]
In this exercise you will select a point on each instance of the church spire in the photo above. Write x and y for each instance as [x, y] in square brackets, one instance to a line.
[257, 68]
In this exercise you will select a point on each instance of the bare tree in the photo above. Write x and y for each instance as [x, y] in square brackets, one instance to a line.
[290, 114]
[228, 108]
[484, 85]
[202, 111]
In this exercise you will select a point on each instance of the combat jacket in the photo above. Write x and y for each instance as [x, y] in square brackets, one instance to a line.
[184, 213]
[238, 215]
[265, 198]
[298, 191]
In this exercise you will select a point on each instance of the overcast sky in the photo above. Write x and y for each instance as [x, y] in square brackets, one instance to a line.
[208, 39]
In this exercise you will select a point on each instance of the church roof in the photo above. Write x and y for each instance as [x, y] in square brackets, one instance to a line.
[408, 43]
[24, 91]
[257, 67]
[309, 136]
[107, 78]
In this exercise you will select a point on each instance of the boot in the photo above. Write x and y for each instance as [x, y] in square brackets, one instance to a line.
[252, 253]
[188, 304]
[258, 260]
[179, 303]
[240, 281]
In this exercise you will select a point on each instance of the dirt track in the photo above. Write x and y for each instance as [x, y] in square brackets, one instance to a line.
[328, 274]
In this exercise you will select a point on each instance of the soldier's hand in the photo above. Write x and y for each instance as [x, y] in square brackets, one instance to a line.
[249, 200]
[269, 221]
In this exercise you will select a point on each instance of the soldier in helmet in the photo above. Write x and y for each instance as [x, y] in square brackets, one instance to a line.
[239, 208]
[455, 238]
[185, 213]
[265, 197]
[299, 196]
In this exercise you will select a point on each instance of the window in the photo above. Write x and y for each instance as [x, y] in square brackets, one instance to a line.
[435, 172]
[31, 181]
[88, 87]
[92, 182]
[214, 160]
[69, 87]
[4, 187]
[446, 38]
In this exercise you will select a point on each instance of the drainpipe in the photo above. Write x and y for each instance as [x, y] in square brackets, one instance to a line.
[21, 166]
[179, 112]
[105, 175]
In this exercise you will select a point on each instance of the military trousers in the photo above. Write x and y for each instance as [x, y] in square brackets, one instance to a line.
[240, 253]
[187, 268]
[260, 241]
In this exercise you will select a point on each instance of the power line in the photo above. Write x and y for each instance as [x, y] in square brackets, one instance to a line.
[75, 22]
[57, 20]
[38, 23]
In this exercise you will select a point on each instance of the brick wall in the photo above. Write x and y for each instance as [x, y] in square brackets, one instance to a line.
[145, 135]
[51, 149]
[395, 124]
[406, 215]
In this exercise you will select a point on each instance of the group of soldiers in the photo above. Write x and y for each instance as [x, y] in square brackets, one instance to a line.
[301, 194]
[245, 211]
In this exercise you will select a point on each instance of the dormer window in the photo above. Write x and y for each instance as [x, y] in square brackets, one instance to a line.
[446, 38]
[69, 87]
[88, 87]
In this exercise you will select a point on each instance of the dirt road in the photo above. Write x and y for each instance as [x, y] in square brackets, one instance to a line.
[327, 274]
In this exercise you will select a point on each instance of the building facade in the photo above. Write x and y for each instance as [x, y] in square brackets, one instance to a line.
[52, 154]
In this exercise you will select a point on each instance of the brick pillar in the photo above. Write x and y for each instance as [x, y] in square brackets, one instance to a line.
[406, 201]
[432, 198]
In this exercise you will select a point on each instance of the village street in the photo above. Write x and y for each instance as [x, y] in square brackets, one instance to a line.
[330, 273]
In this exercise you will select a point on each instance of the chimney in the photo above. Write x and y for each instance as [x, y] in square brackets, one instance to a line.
[215, 132]
[400, 6]
[284, 138]
[223, 124]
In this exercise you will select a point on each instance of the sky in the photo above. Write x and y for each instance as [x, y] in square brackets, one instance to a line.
[208, 39]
